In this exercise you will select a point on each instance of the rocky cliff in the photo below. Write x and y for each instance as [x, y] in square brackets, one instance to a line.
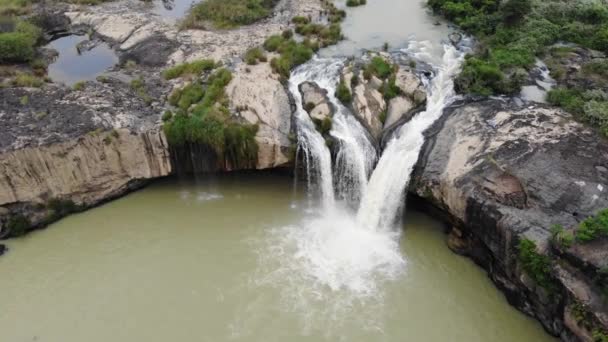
[78, 147]
[503, 174]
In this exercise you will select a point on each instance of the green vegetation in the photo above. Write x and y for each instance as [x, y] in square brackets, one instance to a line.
[78, 86]
[18, 46]
[202, 118]
[355, 3]
[225, 14]
[189, 69]
[593, 227]
[343, 93]
[536, 266]
[15, 7]
[323, 126]
[561, 237]
[255, 55]
[292, 54]
[513, 33]
[18, 225]
[309, 106]
[23, 79]
[378, 67]
[139, 86]
[382, 69]
[58, 208]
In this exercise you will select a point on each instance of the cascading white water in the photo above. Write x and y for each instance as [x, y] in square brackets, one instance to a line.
[317, 157]
[381, 203]
[356, 154]
[336, 259]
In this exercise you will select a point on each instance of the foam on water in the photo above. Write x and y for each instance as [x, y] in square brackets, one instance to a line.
[335, 258]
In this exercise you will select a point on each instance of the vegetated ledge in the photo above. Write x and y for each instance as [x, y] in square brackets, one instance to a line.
[502, 176]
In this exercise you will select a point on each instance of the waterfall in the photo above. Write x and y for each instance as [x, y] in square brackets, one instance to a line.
[337, 247]
[316, 154]
[382, 201]
[356, 155]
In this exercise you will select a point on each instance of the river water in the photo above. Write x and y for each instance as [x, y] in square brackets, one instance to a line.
[192, 261]
[252, 257]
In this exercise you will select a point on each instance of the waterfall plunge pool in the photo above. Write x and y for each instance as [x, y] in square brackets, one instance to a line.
[203, 261]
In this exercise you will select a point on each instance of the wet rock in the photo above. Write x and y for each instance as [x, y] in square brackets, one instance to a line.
[3, 249]
[455, 38]
[399, 108]
[315, 101]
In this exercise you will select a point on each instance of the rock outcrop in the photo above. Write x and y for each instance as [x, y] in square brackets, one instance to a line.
[257, 95]
[503, 174]
[81, 146]
[370, 104]
[315, 101]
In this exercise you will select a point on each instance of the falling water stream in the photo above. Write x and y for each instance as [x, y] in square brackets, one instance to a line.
[242, 258]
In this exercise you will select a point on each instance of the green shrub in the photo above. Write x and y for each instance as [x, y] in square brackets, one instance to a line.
[343, 93]
[593, 227]
[167, 115]
[569, 99]
[300, 20]
[537, 266]
[203, 119]
[513, 11]
[255, 55]
[58, 208]
[26, 80]
[229, 13]
[18, 225]
[355, 3]
[323, 126]
[191, 69]
[389, 89]
[189, 95]
[309, 106]
[561, 237]
[379, 67]
[15, 47]
[292, 54]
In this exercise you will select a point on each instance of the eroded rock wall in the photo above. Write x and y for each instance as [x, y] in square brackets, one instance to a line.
[504, 173]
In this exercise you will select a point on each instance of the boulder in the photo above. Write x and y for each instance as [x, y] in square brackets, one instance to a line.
[411, 85]
[315, 101]
[398, 108]
[257, 95]
[368, 105]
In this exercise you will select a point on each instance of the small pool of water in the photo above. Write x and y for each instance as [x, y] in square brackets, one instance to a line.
[72, 66]
[543, 83]
[171, 9]
[395, 22]
[201, 261]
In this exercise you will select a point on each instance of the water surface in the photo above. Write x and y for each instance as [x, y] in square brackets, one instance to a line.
[395, 22]
[72, 65]
[197, 261]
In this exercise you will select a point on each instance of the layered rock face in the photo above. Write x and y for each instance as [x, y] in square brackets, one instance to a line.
[257, 95]
[370, 105]
[79, 146]
[502, 174]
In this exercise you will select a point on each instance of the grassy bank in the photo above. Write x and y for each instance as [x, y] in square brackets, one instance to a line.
[225, 14]
[201, 116]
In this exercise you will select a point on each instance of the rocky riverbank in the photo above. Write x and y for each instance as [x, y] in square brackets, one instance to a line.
[503, 174]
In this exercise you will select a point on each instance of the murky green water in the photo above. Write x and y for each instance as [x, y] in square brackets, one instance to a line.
[186, 261]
